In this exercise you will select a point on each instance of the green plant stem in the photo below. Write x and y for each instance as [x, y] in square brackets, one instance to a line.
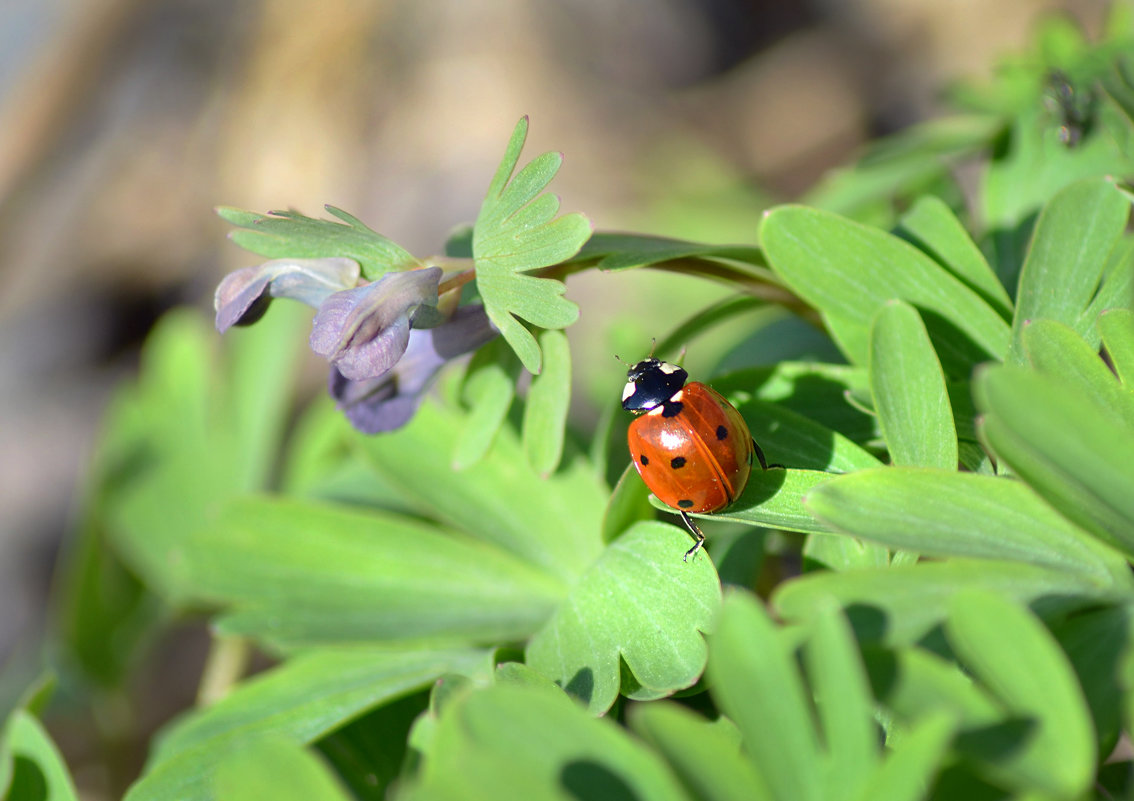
[227, 660]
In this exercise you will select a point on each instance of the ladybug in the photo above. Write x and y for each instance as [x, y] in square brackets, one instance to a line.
[689, 444]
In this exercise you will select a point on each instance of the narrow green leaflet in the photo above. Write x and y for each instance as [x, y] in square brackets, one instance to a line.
[773, 499]
[840, 552]
[909, 391]
[789, 438]
[1117, 329]
[305, 573]
[278, 769]
[847, 271]
[549, 397]
[291, 235]
[844, 705]
[516, 232]
[1010, 651]
[530, 743]
[1056, 350]
[1075, 453]
[641, 604]
[755, 681]
[931, 224]
[489, 388]
[299, 701]
[1073, 239]
[913, 763]
[1115, 292]
[706, 756]
[901, 604]
[944, 513]
[30, 763]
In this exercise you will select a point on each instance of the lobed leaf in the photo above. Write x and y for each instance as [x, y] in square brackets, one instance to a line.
[909, 392]
[291, 235]
[847, 271]
[639, 603]
[516, 232]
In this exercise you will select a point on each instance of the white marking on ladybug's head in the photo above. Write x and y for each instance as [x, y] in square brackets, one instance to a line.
[628, 390]
[668, 368]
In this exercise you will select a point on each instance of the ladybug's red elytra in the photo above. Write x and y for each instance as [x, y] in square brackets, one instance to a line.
[689, 444]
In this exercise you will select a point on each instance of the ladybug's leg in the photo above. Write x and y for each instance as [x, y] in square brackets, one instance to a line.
[697, 536]
[764, 462]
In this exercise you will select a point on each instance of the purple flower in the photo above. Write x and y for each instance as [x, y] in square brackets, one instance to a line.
[364, 331]
[243, 296]
[387, 402]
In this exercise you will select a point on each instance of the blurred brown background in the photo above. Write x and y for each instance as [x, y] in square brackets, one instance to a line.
[122, 124]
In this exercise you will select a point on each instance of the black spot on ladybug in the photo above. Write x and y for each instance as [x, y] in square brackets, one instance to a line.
[645, 461]
[677, 462]
[672, 408]
[722, 432]
[685, 503]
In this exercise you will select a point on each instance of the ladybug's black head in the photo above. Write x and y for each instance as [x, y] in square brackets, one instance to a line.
[650, 383]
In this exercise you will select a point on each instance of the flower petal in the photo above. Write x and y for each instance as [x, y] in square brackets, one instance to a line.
[364, 331]
[383, 404]
[243, 296]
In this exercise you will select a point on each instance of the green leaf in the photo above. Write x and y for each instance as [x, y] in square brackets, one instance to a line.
[945, 514]
[932, 225]
[516, 232]
[210, 425]
[901, 604]
[1076, 232]
[625, 251]
[773, 499]
[787, 437]
[298, 701]
[847, 271]
[305, 573]
[914, 762]
[291, 235]
[1075, 453]
[1056, 350]
[526, 742]
[279, 769]
[1009, 651]
[553, 524]
[909, 390]
[1115, 291]
[839, 552]
[31, 766]
[1117, 329]
[549, 396]
[843, 703]
[489, 387]
[641, 604]
[705, 756]
[755, 682]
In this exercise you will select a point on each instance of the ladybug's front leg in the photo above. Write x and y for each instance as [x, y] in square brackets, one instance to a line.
[698, 536]
[764, 462]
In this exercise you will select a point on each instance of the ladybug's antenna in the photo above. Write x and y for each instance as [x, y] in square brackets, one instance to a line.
[653, 347]
[680, 356]
[623, 362]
